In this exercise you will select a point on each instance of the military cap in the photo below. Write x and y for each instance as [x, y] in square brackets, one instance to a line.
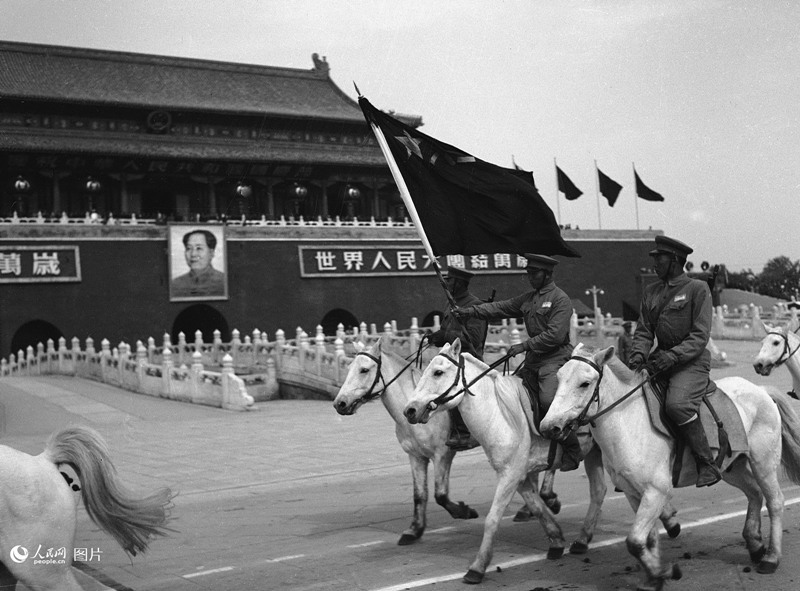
[540, 261]
[458, 273]
[665, 244]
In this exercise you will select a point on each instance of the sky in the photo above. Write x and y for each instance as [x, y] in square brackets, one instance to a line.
[703, 97]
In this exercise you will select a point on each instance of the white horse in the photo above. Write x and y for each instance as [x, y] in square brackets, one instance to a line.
[494, 413]
[366, 381]
[779, 347]
[38, 507]
[639, 458]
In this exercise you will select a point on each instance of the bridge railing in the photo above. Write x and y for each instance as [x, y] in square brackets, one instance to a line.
[252, 368]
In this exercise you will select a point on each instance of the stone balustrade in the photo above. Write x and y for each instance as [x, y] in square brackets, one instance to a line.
[254, 368]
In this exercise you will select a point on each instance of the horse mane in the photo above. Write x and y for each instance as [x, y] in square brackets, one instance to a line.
[481, 364]
[416, 374]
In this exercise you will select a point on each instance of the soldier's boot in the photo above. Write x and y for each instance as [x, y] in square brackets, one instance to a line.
[694, 435]
[460, 439]
[572, 456]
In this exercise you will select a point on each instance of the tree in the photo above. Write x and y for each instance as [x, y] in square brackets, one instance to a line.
[780, 278]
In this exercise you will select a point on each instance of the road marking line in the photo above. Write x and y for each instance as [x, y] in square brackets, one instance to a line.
[365, 544]
[283, 558]
[208, 572]
[543, 555]
[441, 529]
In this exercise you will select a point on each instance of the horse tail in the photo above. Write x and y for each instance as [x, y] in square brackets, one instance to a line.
[790, 434]
[129, 519]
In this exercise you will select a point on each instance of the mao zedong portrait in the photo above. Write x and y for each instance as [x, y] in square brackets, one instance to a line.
[202, 280]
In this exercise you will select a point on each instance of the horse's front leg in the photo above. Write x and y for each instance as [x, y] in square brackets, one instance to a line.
[507, 483]
[419, 476]
[643, 541]
[441, 487]
[593, 464]
[539, 509]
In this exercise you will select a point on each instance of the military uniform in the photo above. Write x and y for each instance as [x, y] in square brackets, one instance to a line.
[471, 332]
[546, 313]
[675, 315]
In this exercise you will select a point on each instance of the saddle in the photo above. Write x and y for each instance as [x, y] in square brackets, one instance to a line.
[722, 424]
[535, 413]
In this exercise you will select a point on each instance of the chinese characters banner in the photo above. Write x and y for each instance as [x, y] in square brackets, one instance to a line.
[381, 261]
[39, 264]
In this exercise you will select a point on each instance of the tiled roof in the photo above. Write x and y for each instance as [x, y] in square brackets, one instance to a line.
[153, 146]
[90, 76]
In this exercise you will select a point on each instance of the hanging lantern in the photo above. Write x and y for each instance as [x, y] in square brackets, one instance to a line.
[300, 191]
[21, 185]
[93, 185]
[244, 190]
[353, 192]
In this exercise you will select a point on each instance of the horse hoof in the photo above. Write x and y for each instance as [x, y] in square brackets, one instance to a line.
[407, 539]
[522, 515]
[554, 506]
[677, 573]
[674, 531]
[555, 553]
[472, 577]
[766, 568]
[473, 514]
[578, 547]
[758, 554]
[463, 511]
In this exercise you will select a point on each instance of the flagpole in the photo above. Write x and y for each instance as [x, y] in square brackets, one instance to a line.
[558, 206]
[412, 210]
[597, 193]
[636, 196]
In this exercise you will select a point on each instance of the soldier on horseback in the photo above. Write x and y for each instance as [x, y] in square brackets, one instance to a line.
[546, 311]
[472, 333]
[676, 316]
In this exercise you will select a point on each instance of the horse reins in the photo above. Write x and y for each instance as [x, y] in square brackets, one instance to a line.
[443, 398]
[371, 395]
[582, 419]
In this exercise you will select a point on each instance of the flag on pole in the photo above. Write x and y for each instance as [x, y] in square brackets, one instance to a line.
[609, 188]
[566, 186]
[465, 205]
[645, 192]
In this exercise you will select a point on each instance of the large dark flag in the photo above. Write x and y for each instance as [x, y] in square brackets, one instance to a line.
[645, 192]
[609, 188]
[566, 186]
[465, 205]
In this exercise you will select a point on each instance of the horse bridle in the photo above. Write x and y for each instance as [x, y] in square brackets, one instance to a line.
[582, 419]
[786, 348]
[443, 398]
[370, 394]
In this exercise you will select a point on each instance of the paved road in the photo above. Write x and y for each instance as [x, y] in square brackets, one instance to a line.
[293, 496]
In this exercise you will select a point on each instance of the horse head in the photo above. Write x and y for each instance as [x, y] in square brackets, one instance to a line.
[438, 389]
[362, 381]
[578, 385]
[775, 349]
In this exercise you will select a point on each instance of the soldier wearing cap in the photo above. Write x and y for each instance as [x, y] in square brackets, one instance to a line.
[676, 316]
[546, 311]
[472, 333]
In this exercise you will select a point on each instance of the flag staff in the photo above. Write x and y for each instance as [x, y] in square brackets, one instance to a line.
[409, 203]
[558, 206]
[636, 197]
[597, 193]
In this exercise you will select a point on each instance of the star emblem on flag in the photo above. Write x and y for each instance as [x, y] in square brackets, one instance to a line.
[411, 144]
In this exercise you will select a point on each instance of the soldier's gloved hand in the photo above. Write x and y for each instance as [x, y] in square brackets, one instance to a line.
[463, 313]
[516, 349]
[636, 362]
[662, 361]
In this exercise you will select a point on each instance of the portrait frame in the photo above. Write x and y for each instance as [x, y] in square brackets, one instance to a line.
[214, 283]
